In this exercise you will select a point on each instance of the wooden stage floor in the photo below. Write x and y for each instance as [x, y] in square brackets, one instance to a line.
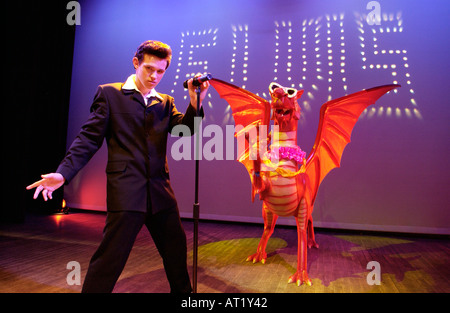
[34, 256]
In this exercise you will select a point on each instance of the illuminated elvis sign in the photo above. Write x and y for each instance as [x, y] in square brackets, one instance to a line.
[322, 55]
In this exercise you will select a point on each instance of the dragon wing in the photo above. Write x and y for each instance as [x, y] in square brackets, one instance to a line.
[249, 111]
[337, 119]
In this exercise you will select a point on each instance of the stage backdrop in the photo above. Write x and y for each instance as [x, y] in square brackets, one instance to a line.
[394, 174]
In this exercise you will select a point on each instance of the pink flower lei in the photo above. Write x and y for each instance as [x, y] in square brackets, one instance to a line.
[286, 152]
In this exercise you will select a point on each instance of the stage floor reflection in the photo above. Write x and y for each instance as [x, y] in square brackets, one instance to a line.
[35, 256]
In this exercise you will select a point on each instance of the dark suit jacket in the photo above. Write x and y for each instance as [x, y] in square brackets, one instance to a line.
[136, 136]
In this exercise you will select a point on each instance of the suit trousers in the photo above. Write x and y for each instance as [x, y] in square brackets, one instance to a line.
[119, 236]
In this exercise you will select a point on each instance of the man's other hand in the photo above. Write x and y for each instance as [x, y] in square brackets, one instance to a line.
[48, 184]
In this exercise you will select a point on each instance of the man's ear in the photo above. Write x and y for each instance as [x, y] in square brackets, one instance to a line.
[135, 63]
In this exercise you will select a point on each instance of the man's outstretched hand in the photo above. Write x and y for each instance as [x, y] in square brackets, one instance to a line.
[48, 184]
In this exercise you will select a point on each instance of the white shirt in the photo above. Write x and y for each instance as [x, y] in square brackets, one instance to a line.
[130, 84]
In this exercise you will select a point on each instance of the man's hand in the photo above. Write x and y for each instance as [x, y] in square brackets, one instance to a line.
[193, 94]
[48, 184]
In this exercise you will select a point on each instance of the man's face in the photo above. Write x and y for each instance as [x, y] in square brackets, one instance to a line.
[149, 72]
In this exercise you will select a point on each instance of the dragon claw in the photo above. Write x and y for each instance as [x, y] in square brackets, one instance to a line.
[312, 243]
[300, 277]
[258, 257]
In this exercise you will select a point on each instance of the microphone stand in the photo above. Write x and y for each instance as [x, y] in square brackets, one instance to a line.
[196, 211]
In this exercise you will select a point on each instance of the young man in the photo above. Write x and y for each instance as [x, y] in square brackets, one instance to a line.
[135, 121]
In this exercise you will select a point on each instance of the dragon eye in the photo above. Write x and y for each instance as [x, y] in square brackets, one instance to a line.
[292, 92]
[274, 86]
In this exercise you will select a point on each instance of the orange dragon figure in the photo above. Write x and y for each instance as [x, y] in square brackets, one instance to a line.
[286, 181]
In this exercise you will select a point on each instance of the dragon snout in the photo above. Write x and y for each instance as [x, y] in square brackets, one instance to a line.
[279, 93]
[284, 104]
[278, 98]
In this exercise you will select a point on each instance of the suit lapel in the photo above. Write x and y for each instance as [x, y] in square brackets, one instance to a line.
[136, 95]
[153, 101]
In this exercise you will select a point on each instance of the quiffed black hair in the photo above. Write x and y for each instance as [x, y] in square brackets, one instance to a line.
[156, 48]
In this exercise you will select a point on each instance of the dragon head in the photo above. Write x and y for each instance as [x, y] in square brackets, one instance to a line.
[286, 111]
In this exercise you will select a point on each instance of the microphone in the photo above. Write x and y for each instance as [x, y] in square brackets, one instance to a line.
[198, 80]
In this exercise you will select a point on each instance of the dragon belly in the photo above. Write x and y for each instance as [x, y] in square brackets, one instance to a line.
[282, 197]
